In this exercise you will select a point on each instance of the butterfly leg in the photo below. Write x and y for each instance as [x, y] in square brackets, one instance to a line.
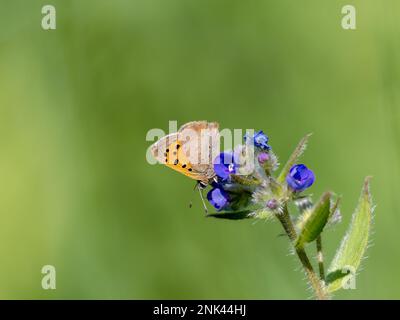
[202, 198]
[200, 186]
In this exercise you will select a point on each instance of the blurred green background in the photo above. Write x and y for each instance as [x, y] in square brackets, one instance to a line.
[76, 103]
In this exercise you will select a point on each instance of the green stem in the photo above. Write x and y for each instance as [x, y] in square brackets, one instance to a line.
[320, 258]
[316, 284]
[245, 181]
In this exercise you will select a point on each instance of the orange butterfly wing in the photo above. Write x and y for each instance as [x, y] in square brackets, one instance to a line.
[176, 159]
[172, 150]
[169, 151]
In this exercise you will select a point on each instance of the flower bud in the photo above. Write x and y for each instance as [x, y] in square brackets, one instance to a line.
[272, 204]
[263, 157]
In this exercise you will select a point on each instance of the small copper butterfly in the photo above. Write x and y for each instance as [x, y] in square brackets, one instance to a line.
[191, 151]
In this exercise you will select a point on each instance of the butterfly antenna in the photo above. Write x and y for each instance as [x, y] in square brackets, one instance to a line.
[194, 189]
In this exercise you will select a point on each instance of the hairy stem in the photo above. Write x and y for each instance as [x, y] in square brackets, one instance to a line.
[316, 284]
[320, 258]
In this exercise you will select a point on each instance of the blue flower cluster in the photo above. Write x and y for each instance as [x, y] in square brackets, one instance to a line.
[226, 166]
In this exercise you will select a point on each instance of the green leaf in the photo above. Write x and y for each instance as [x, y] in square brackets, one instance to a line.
[313, 221]
[293, 158]
[354, 244]
[238, 215]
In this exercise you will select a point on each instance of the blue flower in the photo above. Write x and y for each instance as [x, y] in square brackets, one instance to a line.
[300, 177]
[218, 198]
[259, 139]
[225, 165]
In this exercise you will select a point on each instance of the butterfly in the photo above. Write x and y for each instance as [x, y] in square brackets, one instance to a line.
[191, 151]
